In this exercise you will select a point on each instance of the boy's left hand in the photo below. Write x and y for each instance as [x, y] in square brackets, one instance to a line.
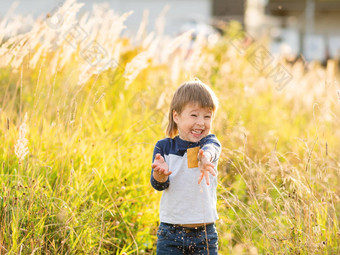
[205, 166]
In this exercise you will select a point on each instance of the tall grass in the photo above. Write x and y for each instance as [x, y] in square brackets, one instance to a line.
[84, 185]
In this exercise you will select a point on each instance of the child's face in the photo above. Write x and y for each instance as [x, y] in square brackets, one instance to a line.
[193, 123]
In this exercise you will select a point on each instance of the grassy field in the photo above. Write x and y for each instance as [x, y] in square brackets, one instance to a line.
[81, 108]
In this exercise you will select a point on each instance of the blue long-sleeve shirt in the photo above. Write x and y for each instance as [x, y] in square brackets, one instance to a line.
[184, 201]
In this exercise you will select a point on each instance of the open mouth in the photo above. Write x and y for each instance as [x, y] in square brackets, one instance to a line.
[197, 132]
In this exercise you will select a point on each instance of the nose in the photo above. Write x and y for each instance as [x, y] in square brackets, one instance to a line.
[200, 121]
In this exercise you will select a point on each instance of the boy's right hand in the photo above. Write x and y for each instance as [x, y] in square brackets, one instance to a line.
[160, 169]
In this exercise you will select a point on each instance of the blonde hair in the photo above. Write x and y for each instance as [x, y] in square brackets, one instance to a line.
[195, 92]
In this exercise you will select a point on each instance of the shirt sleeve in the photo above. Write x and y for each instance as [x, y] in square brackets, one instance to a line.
[213, 146]
[156, 184]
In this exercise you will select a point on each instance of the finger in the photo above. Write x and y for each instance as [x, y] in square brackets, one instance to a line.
[212, 171]
[157, 168]
[167, 173]
[206, 175]
[165, 170]
[161, 159]
[209, 169]
[210, 164]
[156, 164]
[158, 158]
[200, 153]
[200, 178]
[207, 163]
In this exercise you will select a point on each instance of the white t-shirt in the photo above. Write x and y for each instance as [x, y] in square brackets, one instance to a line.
[184, 201]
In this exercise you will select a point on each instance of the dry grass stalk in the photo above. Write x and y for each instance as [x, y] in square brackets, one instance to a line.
[21, 147]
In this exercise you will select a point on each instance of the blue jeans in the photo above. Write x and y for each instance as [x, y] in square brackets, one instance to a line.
[174, 239]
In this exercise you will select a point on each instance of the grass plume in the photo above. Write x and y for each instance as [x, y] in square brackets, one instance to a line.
[85, 188]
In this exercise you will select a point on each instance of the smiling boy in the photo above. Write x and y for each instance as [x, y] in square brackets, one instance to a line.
[188, 208]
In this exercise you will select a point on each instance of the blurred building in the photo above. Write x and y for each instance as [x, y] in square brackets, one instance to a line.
[228, 9]
[309, 27]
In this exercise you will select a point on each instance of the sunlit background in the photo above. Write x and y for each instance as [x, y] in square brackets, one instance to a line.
[85, 88]
[308, 27]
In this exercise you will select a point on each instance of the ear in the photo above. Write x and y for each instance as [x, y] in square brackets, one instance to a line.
[175, 116]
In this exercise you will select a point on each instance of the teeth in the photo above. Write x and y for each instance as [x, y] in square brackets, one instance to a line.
[196, 132]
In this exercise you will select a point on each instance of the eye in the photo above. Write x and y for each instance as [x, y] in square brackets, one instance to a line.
[207, 117]
[194, 115]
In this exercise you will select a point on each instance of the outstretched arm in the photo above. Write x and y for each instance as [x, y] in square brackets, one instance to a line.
[205, 166]
[160, 169]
